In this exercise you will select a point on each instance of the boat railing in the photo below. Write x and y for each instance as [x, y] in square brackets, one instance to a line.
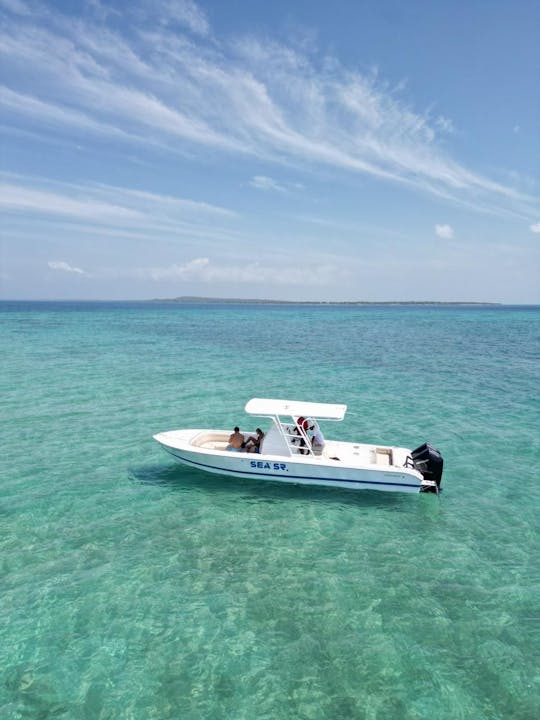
[296, 438]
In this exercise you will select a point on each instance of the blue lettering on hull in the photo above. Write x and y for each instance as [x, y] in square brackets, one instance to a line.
[263, 465]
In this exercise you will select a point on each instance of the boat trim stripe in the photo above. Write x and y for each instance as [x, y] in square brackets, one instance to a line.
[298, 477]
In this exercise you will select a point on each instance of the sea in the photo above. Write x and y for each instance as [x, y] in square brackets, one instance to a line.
[134, 588]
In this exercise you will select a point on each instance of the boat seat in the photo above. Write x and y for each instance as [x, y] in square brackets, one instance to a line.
[214, 445]
[218, 445]
[212, 441]
[383, 456]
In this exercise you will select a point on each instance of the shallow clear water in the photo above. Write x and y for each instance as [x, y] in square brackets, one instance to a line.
[132, 587]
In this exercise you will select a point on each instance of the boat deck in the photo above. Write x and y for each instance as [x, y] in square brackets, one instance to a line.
[351, 454]
[364, 454]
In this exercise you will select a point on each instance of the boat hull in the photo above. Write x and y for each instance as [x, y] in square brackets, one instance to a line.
[301, 470]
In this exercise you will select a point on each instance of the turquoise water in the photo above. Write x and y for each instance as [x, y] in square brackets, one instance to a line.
[135, 588]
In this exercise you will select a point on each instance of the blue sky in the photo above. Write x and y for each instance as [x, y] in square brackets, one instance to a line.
[298, 150]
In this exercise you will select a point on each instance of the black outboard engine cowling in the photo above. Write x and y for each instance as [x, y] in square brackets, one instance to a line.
[428, 461]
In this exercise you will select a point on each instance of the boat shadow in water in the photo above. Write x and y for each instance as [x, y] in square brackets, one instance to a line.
[184, 479]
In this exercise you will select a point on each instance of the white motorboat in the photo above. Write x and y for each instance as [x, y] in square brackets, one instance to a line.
[293, 450]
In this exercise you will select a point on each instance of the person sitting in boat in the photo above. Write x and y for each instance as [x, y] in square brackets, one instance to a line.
[317, 439]
[236, 441]
[253, 444]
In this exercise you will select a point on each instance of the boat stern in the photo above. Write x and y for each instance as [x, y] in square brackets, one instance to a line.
[429, 462]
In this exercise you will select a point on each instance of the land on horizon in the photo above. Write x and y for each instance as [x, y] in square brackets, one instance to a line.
[262, 301]
[201, 300]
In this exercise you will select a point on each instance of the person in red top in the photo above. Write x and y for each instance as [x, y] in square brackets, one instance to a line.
[302, 425]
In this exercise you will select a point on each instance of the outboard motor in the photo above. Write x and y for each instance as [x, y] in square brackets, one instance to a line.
[428, 461]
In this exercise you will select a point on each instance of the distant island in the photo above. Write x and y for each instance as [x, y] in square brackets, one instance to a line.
[191, 299]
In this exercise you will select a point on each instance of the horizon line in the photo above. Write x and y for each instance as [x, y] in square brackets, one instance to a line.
[192, 299]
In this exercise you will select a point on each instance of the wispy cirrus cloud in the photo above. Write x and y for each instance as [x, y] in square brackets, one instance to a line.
[182, 12]
[107, 215]
[152, 83]
[262, 182]
[268, 184]
[18, 7]
[16, 198]
[103, 204]
[50, 113]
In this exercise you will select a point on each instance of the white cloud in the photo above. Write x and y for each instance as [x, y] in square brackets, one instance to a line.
[535, 227]
[49, 113]
[203, 270]
[17, 7]
[444, 124]
[16, 198]
[252, 97]
[444, 231]
[100, 10]
[184, 12]
[64, 267]
[261, 182]
[143, 199]
[192, 269]
[107, 205]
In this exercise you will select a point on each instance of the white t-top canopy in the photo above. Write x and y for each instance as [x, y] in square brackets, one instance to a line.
[295, 408]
